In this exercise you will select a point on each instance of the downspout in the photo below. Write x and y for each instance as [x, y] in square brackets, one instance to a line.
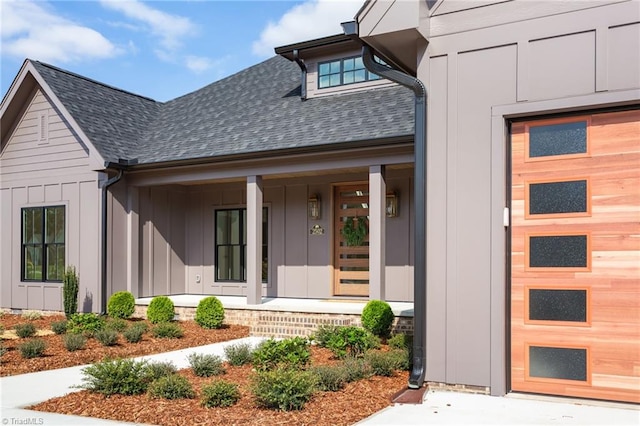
[418, 371]
[303, 78]
[103, 269]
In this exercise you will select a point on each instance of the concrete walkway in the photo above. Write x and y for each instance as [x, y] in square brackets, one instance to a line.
[438, 408]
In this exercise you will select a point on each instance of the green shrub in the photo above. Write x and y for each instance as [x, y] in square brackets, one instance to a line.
[219, 394]
[31, 315]
[116, 324]
[167, 330]
[87, 323]
[59, 327]
[173, 386]
[157, 369]
[271, 353]
[32, 348]
[70, 287]
[73, 342]
[377, 317]
[283, 389]
[134, 333]
[357, 369]
[118, 376]
[25, 330]
[121, 304]
[324, 333]
[351, 340]
[401, 341]
[330, 378]
[210, 313]
[206, 365]
[160, 309]
[107, 337]
[239, 353]
[385, 363]
[3, 349]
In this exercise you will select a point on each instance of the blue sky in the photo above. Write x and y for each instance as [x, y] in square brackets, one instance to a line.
[159, 49]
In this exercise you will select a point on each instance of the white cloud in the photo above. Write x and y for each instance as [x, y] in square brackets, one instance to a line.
[198, 64]
[33, 30]
[309, 20]
[170, 29]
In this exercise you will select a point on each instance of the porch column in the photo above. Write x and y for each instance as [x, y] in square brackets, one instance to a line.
[133, 241]
[254, 240]
[377, 232]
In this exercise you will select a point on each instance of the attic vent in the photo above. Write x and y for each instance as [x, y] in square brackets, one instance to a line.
[43, 127]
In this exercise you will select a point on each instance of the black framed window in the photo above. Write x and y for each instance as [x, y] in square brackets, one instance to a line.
[43, 243]
[231, 245]
[343, 71]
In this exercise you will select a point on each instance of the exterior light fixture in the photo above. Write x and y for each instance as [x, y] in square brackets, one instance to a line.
[391, 205]
[314, 207]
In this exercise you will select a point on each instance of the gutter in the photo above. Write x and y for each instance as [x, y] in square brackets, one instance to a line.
[120, 166]
[303, 78]
[418, 371]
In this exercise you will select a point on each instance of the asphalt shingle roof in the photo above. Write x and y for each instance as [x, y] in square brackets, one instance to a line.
[256, 110]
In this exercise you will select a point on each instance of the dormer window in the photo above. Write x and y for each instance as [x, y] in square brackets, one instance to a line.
[344, 71]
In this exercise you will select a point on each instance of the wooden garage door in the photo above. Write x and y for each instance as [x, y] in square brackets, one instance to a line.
[575, 263]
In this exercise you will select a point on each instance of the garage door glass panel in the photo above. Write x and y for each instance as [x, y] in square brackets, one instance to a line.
[558, 139]
[558, 363]
[558, 305]
[558, 251]
[558, 197]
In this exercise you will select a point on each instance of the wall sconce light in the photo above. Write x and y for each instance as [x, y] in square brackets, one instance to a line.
[314, 207]
[392, 205]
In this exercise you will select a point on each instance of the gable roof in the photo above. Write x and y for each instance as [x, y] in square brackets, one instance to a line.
[113, 119]
[252, 112]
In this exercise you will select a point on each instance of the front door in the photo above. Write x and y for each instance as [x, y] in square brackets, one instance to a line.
[575, 256]
[351, 237]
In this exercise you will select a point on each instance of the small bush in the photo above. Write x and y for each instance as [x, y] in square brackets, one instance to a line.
[107, 337]
[73, 342]
[173, 386]
[59, 327]
[25, 330]
[283, 389]
[87, 323]
[206, 365]
[134, 333]
[239, 353]
[119, 376]
[167, 330]
[357, 369]
[210, 313]
[324, 333]
[351, 340]
[383, 363]
[272, 354]
[377, 317]
[31, 315]
[160, 309]
[70, 286]
[330, 378]
[121, 304]
[400, 341]
[219, 394]
[32, 348]
[155, 370]
[3, 349]
[116, 324]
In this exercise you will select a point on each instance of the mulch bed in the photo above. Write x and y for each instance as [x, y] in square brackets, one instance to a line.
[355, 402]
[57, 356]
